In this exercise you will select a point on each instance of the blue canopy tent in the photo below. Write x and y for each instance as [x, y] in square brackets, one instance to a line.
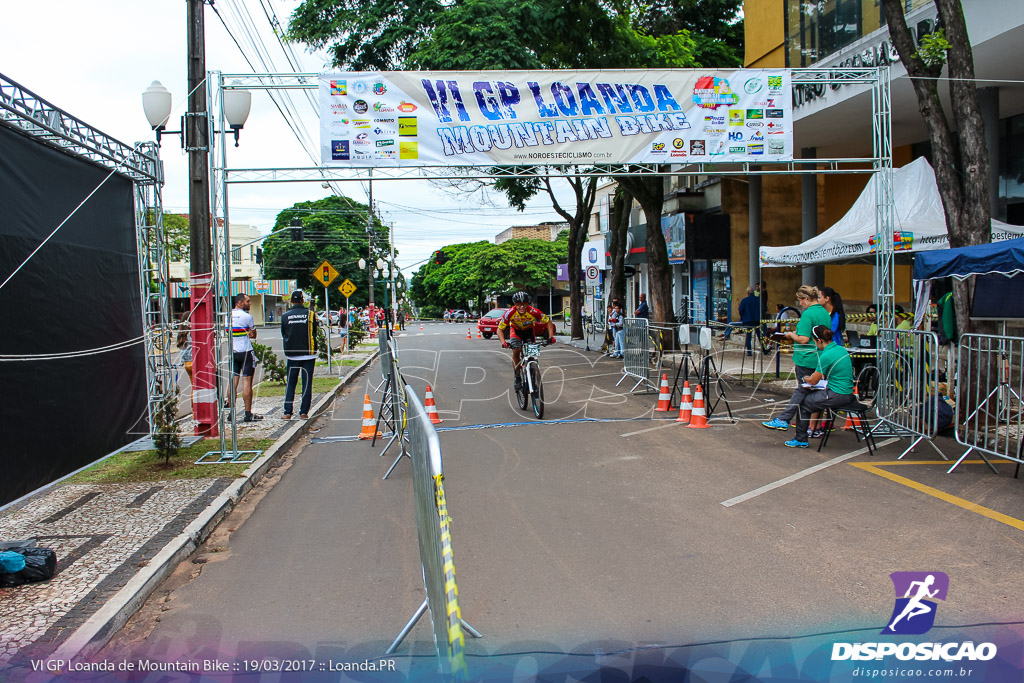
[1005, 258]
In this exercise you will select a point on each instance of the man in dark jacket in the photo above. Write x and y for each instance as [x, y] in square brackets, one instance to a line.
[299, 329]
[750, 311]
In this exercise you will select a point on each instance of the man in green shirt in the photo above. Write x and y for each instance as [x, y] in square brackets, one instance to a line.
[833, 364]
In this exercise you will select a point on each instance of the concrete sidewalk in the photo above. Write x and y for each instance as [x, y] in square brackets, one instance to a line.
[115, 543]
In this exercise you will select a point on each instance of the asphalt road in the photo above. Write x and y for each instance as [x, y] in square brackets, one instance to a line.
[619, 541]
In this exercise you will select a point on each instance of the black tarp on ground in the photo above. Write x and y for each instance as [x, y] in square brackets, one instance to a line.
[80, 291]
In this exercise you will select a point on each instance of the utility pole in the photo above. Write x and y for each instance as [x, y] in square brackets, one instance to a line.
[204, 374]
[371, 263]
[392, 271]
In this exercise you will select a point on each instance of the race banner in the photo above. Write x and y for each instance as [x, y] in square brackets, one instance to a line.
[522, 118]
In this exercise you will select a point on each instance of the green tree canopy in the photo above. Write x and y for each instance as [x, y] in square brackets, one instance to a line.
[334, 229]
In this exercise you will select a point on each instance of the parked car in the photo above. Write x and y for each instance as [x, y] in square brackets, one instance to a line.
[322, 317]
[488, 325]
[460, 316]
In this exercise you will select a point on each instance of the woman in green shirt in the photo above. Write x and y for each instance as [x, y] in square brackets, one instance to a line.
[833, 364]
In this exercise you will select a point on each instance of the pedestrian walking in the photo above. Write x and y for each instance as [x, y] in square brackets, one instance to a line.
[243, 331]
[299, 328]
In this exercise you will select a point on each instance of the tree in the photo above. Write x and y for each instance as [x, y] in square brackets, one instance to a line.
[961, 161]
[334, 229]
[716, 27]
[618, 230]
[649, 190]
[177, 237]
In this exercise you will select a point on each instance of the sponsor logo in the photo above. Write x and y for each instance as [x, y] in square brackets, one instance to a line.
[755, 113]
[359, 87]
[736, 117]
[406, 107]
[384, 120]
[773, 114]
[775, 83]
[338, 88]
[382, 108]
[362, 136]
[408, 149]
[339, 150]
[384, 153]
[776, 147]
[756, 136]
[903, 240]
[718, 149]
[678, 153]
[753, 85]
[755, 124]
[771, 126]
[770, 102]
[360, 106]
[678, 143]
[385, 143]
[697, 148]
[339, 123]
[378, 131]
[714, 120]
[379, 89]
[913, 613]
[715, 131]
[361, 143]
[711, 92]
[362, 154]
[658, 147]
[407, 126]
[755, 149]
[737, 149]
[338, 108]
[361, 123]
[735, 136]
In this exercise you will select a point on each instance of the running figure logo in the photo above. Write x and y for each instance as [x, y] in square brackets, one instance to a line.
[914, 612]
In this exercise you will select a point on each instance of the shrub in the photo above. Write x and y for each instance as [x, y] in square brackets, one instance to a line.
[275, 370]
[166, 439]
[356, 333]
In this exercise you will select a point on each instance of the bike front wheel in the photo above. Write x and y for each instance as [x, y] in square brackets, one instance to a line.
[538, 392]
[522, 394]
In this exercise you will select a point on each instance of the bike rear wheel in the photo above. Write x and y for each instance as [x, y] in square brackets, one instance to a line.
[522, 394]
[538, 391]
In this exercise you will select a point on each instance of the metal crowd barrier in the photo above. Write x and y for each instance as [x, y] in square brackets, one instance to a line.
[637, 353]
[392, 412]
[908, 393]
[433, 527]
[988, 397]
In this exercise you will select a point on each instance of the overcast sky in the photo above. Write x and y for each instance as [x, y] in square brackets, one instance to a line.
[94, 59]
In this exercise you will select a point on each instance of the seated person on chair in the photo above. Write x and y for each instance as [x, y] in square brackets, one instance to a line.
[834, 365]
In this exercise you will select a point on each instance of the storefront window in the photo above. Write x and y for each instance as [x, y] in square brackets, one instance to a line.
[1011, 172]
[815, 30]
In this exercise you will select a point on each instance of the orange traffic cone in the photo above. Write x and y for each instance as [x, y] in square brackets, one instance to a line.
[421, 327]
[369, 422]
[664, 396]
[479, 335]
[431, 408]
[469, 333]
[852, 422]
[685, 404]
[698, 417]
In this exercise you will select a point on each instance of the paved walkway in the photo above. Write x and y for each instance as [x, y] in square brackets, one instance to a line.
[115, 542]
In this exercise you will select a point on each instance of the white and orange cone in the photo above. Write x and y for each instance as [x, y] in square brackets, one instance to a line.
[699, 416]
[421, 327]
[428, 403]
[685, 404]
[853, 422]
[479, 334]
[369, 421]
[664, 396]
[469, 333]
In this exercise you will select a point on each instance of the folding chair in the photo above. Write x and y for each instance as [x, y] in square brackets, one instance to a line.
[858, 412]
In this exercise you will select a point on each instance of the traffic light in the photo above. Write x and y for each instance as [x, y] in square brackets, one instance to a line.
[259, 255]
[296, 228]
[440, 258]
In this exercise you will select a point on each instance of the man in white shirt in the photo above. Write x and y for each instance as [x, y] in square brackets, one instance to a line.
[243, 331]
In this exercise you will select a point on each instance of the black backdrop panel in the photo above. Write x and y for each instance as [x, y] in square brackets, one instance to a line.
[80, 291]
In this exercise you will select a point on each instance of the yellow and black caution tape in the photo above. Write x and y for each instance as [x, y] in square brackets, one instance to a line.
[456, 638]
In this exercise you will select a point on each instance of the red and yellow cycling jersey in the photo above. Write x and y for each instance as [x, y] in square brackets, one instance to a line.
[523, 321]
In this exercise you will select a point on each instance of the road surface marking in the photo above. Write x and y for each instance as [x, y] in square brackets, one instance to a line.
[800, 475]
[875, 468]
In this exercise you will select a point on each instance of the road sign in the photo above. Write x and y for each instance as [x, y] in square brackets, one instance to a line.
[325, 273]
[346, 288]
[592, 275]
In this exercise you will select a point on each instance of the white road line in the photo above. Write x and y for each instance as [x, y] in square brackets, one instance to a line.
[800, 475]
[651, 429]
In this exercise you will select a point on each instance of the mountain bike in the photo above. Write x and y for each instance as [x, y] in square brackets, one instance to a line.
[531, 387]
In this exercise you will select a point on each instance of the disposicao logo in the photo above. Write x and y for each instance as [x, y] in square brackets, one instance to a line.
[914, 614]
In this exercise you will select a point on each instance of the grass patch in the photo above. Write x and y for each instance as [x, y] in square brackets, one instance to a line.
[321, 385]
[147, 466]
[351, 361]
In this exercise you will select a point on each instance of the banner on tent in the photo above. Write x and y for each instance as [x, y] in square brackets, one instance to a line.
[483, 118]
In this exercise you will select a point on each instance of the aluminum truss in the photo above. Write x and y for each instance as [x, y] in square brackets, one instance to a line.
[42, 121]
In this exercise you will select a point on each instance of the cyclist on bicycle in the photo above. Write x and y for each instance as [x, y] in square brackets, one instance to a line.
[520, 319]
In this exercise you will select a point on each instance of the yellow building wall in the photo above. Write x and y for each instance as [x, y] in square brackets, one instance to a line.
[764, 32]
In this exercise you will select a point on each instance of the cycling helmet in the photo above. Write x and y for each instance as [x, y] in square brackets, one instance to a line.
[520, 298]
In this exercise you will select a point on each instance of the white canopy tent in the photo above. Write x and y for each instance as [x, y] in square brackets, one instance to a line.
[920, 225]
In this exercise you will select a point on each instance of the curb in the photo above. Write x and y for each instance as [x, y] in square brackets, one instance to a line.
[97, 630]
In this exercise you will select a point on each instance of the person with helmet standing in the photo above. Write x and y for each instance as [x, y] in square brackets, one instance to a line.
[520, 320]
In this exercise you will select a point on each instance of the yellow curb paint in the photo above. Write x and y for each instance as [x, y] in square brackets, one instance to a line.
[875, 468]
